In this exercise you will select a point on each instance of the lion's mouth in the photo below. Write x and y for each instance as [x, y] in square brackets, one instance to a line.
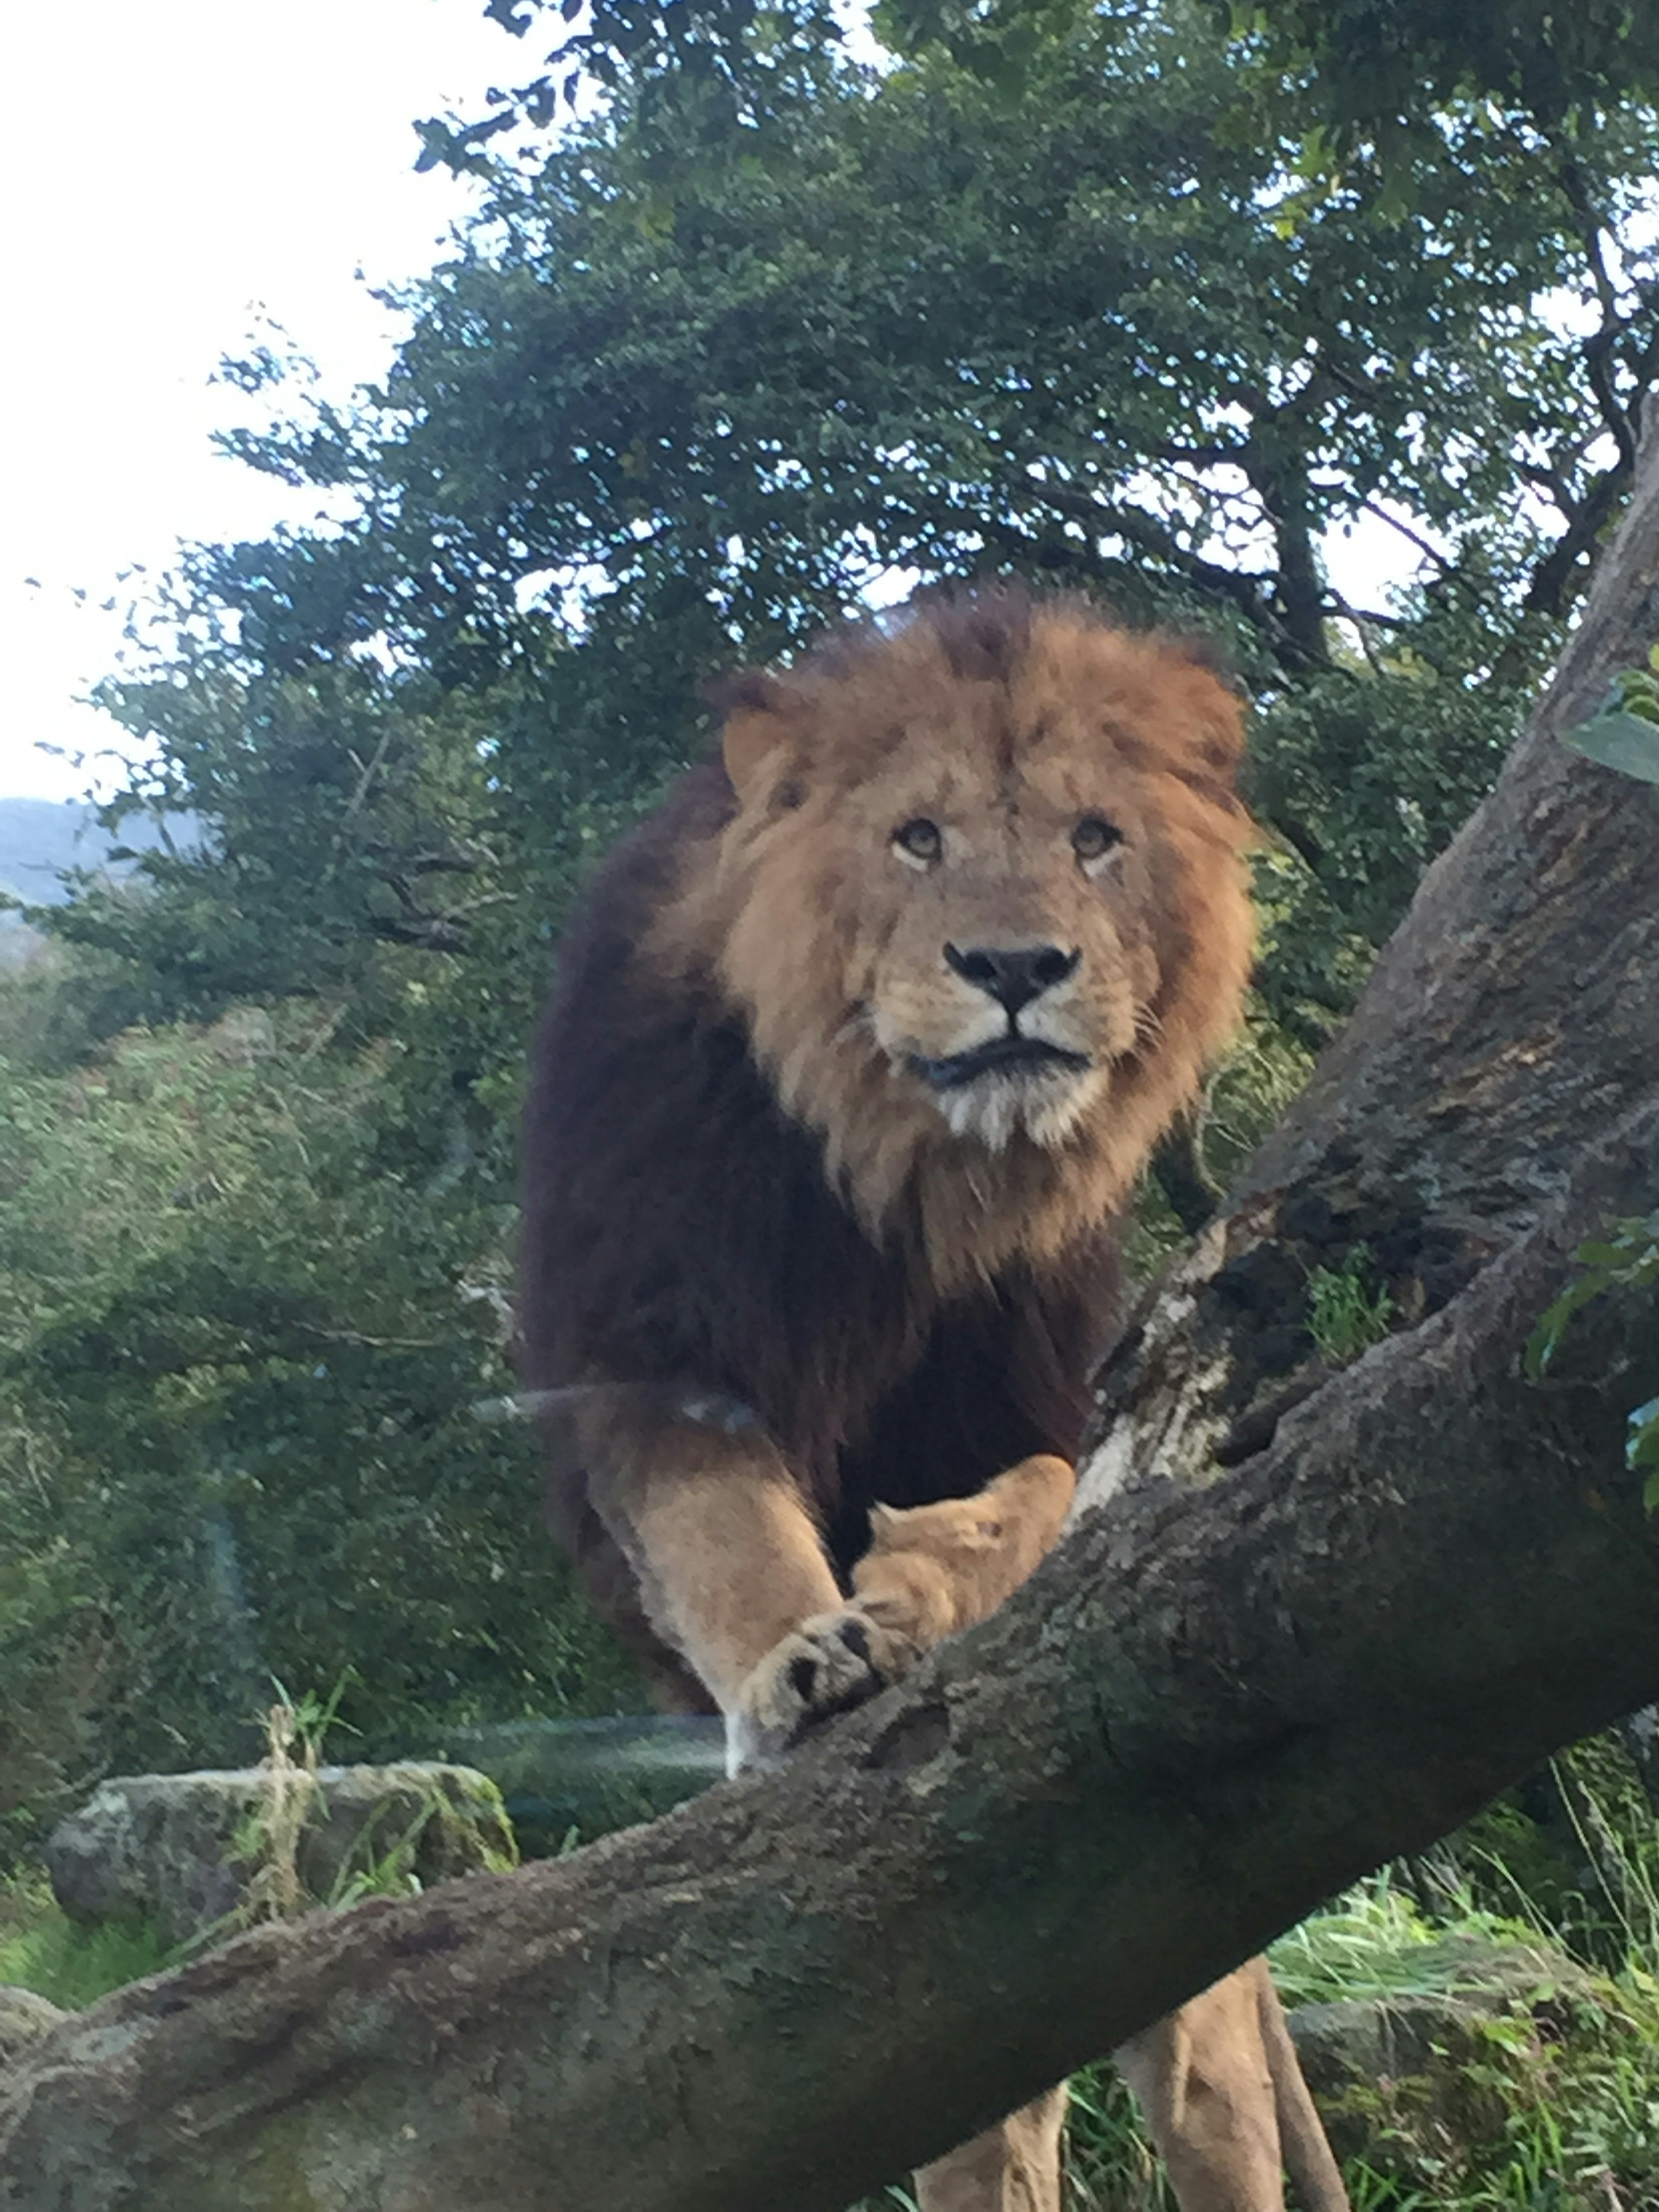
[1004, 1055]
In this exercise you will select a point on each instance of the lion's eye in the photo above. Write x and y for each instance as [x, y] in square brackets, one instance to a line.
[919, 842]
[1094, 837]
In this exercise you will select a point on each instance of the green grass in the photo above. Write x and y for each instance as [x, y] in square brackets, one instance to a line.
[1377, 1942]
[1549, 2102]
[1110, 2164]
[1347, 1310]
[42, 1949]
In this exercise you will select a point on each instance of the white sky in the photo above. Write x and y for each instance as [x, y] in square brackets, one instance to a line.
[170, 170]
[167, 166]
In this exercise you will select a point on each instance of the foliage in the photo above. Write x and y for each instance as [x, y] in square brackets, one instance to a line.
[1361, 69]
[42, 1949]
[1386, 69]
[1348, 1311]
[243, 1322]
[1545, 2107]
[383, 1860]
[1624, 734]
[691, 387]
[270, 1843]
[1626, 1258]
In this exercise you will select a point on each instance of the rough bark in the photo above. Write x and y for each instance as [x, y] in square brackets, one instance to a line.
[1210, 1708]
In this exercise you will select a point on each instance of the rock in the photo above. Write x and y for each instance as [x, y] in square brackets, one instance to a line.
[185, 1851]
[1359, 2041]
[23, 2018]
[1394, 2072]
[1463, 1979]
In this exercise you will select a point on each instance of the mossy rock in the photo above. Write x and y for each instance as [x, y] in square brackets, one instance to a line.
[1522, 2064]
[191, 1853]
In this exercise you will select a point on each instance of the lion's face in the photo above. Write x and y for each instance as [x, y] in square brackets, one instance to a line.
[995, 946]
[983, 896]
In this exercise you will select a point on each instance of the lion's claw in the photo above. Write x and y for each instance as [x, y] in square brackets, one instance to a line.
[827, 1666]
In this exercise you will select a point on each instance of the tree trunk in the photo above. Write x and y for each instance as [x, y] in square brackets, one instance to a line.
[1212, 1707]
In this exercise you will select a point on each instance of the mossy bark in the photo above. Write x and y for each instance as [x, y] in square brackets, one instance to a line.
[1212, 1706]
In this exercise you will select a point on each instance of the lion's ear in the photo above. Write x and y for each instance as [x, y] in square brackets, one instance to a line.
[758, 725]
[747, 744]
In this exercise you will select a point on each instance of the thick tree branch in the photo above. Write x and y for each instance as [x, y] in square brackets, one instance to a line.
[1551, 589]
[1511, 1021]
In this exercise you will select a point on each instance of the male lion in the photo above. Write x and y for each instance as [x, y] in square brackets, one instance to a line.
[860, 1044]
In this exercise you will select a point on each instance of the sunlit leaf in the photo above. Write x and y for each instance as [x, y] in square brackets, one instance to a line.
[1616, 738]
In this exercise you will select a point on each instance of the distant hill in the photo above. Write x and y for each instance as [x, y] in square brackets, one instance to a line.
[41, 837]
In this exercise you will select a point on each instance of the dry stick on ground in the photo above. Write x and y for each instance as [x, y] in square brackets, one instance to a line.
[1212, 1706]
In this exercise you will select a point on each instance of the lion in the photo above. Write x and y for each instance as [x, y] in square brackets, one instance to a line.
[860, 1044]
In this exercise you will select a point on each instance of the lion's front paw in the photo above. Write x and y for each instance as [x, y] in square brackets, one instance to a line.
[827, 1666]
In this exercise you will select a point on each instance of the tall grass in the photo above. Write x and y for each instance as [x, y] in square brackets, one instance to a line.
[43, 1950]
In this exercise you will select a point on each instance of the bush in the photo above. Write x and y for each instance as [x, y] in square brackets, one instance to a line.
[241, 1350]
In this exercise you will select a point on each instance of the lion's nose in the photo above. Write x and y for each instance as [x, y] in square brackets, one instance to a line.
[1013, 974]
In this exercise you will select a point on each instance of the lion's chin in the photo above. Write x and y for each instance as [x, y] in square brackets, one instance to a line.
[1047, 1104]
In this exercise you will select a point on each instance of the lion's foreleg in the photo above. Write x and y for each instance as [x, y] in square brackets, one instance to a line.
[727, 1557]
[734, 1575]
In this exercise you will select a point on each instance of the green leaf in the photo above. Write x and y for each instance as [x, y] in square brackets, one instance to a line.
[1619, 739]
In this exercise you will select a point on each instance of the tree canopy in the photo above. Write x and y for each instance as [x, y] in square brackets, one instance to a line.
[686, 392]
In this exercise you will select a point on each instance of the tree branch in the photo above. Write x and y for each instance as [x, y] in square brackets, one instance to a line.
[1146, 530]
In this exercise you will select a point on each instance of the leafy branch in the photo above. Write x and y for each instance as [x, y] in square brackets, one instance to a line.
[1623, 732]
[1626, 1258]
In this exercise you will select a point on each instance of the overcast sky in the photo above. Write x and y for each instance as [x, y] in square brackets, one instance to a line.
[167, 170]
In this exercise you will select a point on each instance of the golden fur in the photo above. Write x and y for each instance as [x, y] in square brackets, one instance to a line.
[932, 1571]
[829, 942]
